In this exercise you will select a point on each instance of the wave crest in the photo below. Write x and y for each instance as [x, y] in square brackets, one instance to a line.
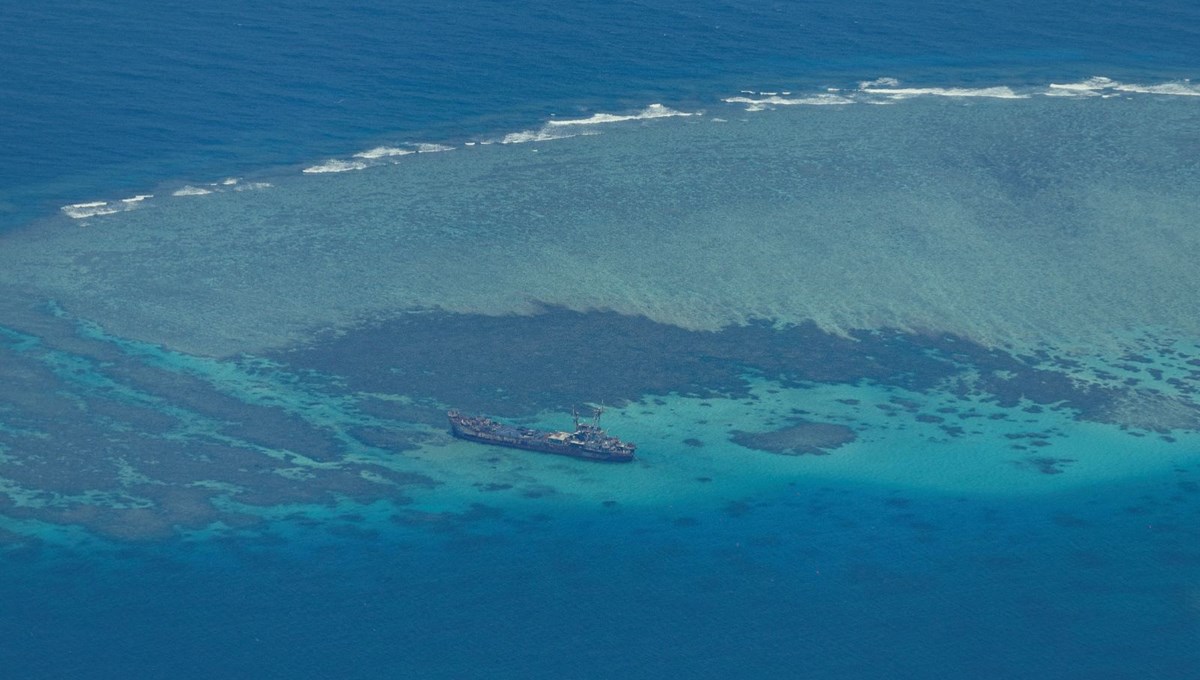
[383, 152]
[81, 211]
[189, 190]
[1102, 86]
[649, 113]
[335, 165]
[753, 104]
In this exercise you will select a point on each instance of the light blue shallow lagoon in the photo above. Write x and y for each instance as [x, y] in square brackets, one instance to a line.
[898, 304]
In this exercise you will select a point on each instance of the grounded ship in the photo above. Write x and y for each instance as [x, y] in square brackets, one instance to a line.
[588, 441]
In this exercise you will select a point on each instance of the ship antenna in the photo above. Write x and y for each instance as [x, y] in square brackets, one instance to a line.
[575, 416]
[596, 411]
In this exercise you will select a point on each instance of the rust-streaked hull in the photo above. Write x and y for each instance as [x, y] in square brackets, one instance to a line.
[587, 442]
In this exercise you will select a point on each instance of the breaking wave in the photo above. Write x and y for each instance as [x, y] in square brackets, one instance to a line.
[765, 100]
[545, 134]
[890, 90]
[81, 211]
[1100, 86]
[1000, 92]
[649, 113]
[334, 165]
[883, 90]
[190, 190]
[384, 152]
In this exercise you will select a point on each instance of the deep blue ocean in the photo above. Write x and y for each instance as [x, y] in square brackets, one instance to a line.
[897, 300]
[102, 98]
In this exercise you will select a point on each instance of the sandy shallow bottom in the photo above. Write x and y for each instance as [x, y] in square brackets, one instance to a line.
[1026, 222]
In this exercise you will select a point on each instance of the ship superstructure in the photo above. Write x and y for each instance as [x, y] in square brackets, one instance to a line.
[588, 441]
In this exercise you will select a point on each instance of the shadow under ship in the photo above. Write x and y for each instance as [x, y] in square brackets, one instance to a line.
[588, 441]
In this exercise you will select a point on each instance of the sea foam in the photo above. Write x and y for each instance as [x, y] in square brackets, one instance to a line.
[1099, 85]
[97, 208]
[335, 165]
[889, 90]
[253, 186]
[650, 112]
[384, 152]
[762, 102]
[190, 190]
[90, 209]
[1179, 89]
[545, 134]
[997, 92]
[372, 157]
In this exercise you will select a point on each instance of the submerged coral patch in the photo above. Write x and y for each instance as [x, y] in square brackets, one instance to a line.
[1045, 465]
[803, 438]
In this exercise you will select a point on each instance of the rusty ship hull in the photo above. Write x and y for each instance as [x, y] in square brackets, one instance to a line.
[587, 442]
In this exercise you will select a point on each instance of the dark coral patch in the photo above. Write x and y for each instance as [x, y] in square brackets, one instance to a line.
[138, 417]
[803, 438]
[448, 522]
[519, 365]
[952, 430]
[538, 491]
[1045, 465]
[390, 438]
[1066, 520]
[737, 508]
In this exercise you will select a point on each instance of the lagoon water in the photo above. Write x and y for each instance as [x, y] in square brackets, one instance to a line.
[898, 303]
